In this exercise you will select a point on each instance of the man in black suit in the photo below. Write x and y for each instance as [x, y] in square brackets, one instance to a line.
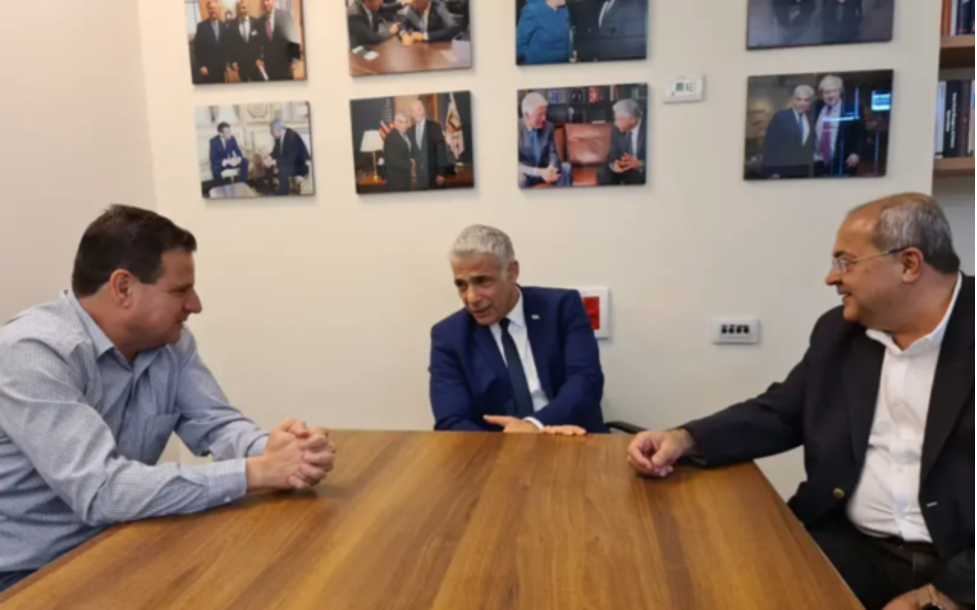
[290, 156]
[429, 21]
[839, 131]
[626, 160]
[842, 20]
[398, 155]
[430, 150]
[364, 20]
[788, 147]
[883, 405]
[611, 30]
[209, 48]
[281, 43]
[244, 44]
[793, 18]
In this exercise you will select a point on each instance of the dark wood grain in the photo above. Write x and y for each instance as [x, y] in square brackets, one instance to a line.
[957, 52]
[395, 58]
[464, 521]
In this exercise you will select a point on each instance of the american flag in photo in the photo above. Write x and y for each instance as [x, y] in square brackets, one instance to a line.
[387, 118]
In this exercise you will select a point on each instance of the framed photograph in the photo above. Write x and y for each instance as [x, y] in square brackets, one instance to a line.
[827, 125]
[413, 143]
[800, 23]
[396, 36]
[580, 31]
[583, 136]
[255, 150]
[245, 41]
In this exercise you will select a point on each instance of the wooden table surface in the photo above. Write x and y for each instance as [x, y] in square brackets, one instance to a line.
[396, 58]
[464, 521]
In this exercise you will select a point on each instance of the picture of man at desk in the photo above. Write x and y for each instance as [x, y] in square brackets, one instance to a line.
[388, 37]
[259, 150]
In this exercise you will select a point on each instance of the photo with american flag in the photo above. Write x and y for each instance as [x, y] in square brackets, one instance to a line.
[413, 143]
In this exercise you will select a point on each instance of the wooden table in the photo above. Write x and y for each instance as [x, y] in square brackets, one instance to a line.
[395, 57]
[423, 521]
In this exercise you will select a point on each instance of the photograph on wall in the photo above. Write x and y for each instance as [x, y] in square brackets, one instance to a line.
[800, 23]
[583, 136]
[828, 125]
[396, 36]
[580, 31]
[413, 143]
[255, 150]
[245, 41]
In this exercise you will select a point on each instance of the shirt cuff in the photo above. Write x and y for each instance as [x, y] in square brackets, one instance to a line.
[535, 422]
[227, 481]
[258, 446]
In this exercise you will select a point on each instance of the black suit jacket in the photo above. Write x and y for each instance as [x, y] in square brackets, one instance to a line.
[209, 52]
[785, 153]
[245, 51]
[851, 138]
[620, 145]
[622, 35]
[842, 21]
[441, 24]
[396, 159]
[363, 31]
[827, 405]
[431, 157]
[292, 157]
[284, 47]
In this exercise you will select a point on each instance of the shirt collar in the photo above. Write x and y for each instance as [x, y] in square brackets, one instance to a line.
[518, 314]
[103, 344]
[637, 128]
[934, 339]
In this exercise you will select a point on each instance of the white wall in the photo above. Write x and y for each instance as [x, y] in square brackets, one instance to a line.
[74, 132]
[321, 308]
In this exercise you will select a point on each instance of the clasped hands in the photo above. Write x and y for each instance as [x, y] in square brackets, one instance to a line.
[627, 163]
[296, 457]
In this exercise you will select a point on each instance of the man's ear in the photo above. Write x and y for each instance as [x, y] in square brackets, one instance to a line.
[121, 287]
[912, 260]
[513, 272]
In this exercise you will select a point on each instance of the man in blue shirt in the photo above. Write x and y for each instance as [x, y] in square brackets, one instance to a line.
[93, 386]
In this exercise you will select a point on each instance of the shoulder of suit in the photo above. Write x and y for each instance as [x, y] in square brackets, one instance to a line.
[454, 323]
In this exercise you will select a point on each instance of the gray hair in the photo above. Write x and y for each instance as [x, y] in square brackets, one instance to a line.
[277, 124]
[831, 82]
[533, 102]
[629, 108]
[804, 90]
[402, 115]
[913, 220]
[479, 239]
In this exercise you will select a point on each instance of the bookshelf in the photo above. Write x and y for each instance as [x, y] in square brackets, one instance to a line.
[956, 52]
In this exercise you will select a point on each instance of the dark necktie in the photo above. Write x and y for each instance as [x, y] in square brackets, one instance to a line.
[800, 126]
[522, 398]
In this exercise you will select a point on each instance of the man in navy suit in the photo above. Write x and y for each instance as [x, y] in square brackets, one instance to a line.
[788, 148]
[839, 131]
[514, 359]
[626, 159]
[225, 154]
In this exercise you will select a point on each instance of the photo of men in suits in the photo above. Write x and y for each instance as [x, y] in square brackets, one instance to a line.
[393, 36]
[818, 125]
[256, 42]
[430, 151]
[260, 150]
[570, 31]
[210, 47]
[539, 161]
[629, 145]
[227, 162]
[796, 23]
[788, 150]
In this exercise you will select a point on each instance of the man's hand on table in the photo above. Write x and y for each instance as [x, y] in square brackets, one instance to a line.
[654, 454]
[514, 425]
[296, 458]
[914, 600]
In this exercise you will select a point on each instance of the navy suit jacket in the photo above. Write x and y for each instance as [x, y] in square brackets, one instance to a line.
[469, 378]
[218, 153]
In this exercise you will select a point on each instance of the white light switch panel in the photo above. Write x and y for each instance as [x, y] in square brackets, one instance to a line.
[736, 331]
[685, 89]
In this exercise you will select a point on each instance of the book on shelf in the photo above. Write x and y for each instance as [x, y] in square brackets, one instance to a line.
[958, 17]
[955, 119]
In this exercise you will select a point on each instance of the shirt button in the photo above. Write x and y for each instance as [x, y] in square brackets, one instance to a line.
[840, 494]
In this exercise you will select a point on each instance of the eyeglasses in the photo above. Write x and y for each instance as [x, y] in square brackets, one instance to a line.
[844, 265]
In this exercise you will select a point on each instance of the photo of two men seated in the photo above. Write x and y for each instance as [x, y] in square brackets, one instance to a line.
[394, 36]
[833, 125]
[583, 136]
[245, 41]
[580, 31]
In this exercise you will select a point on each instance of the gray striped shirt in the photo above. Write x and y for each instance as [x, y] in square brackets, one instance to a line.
[81, 431]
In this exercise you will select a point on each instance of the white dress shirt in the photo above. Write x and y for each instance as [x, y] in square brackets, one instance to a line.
[635, 134]
[805, 126]
[828, 119]
[520, 336]
[419, 132]
[886, 502]
[246, 29]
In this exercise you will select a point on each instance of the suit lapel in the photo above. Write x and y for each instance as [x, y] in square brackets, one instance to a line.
[541, 339]
[490, 351]
[862, 375]
[954, 382]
